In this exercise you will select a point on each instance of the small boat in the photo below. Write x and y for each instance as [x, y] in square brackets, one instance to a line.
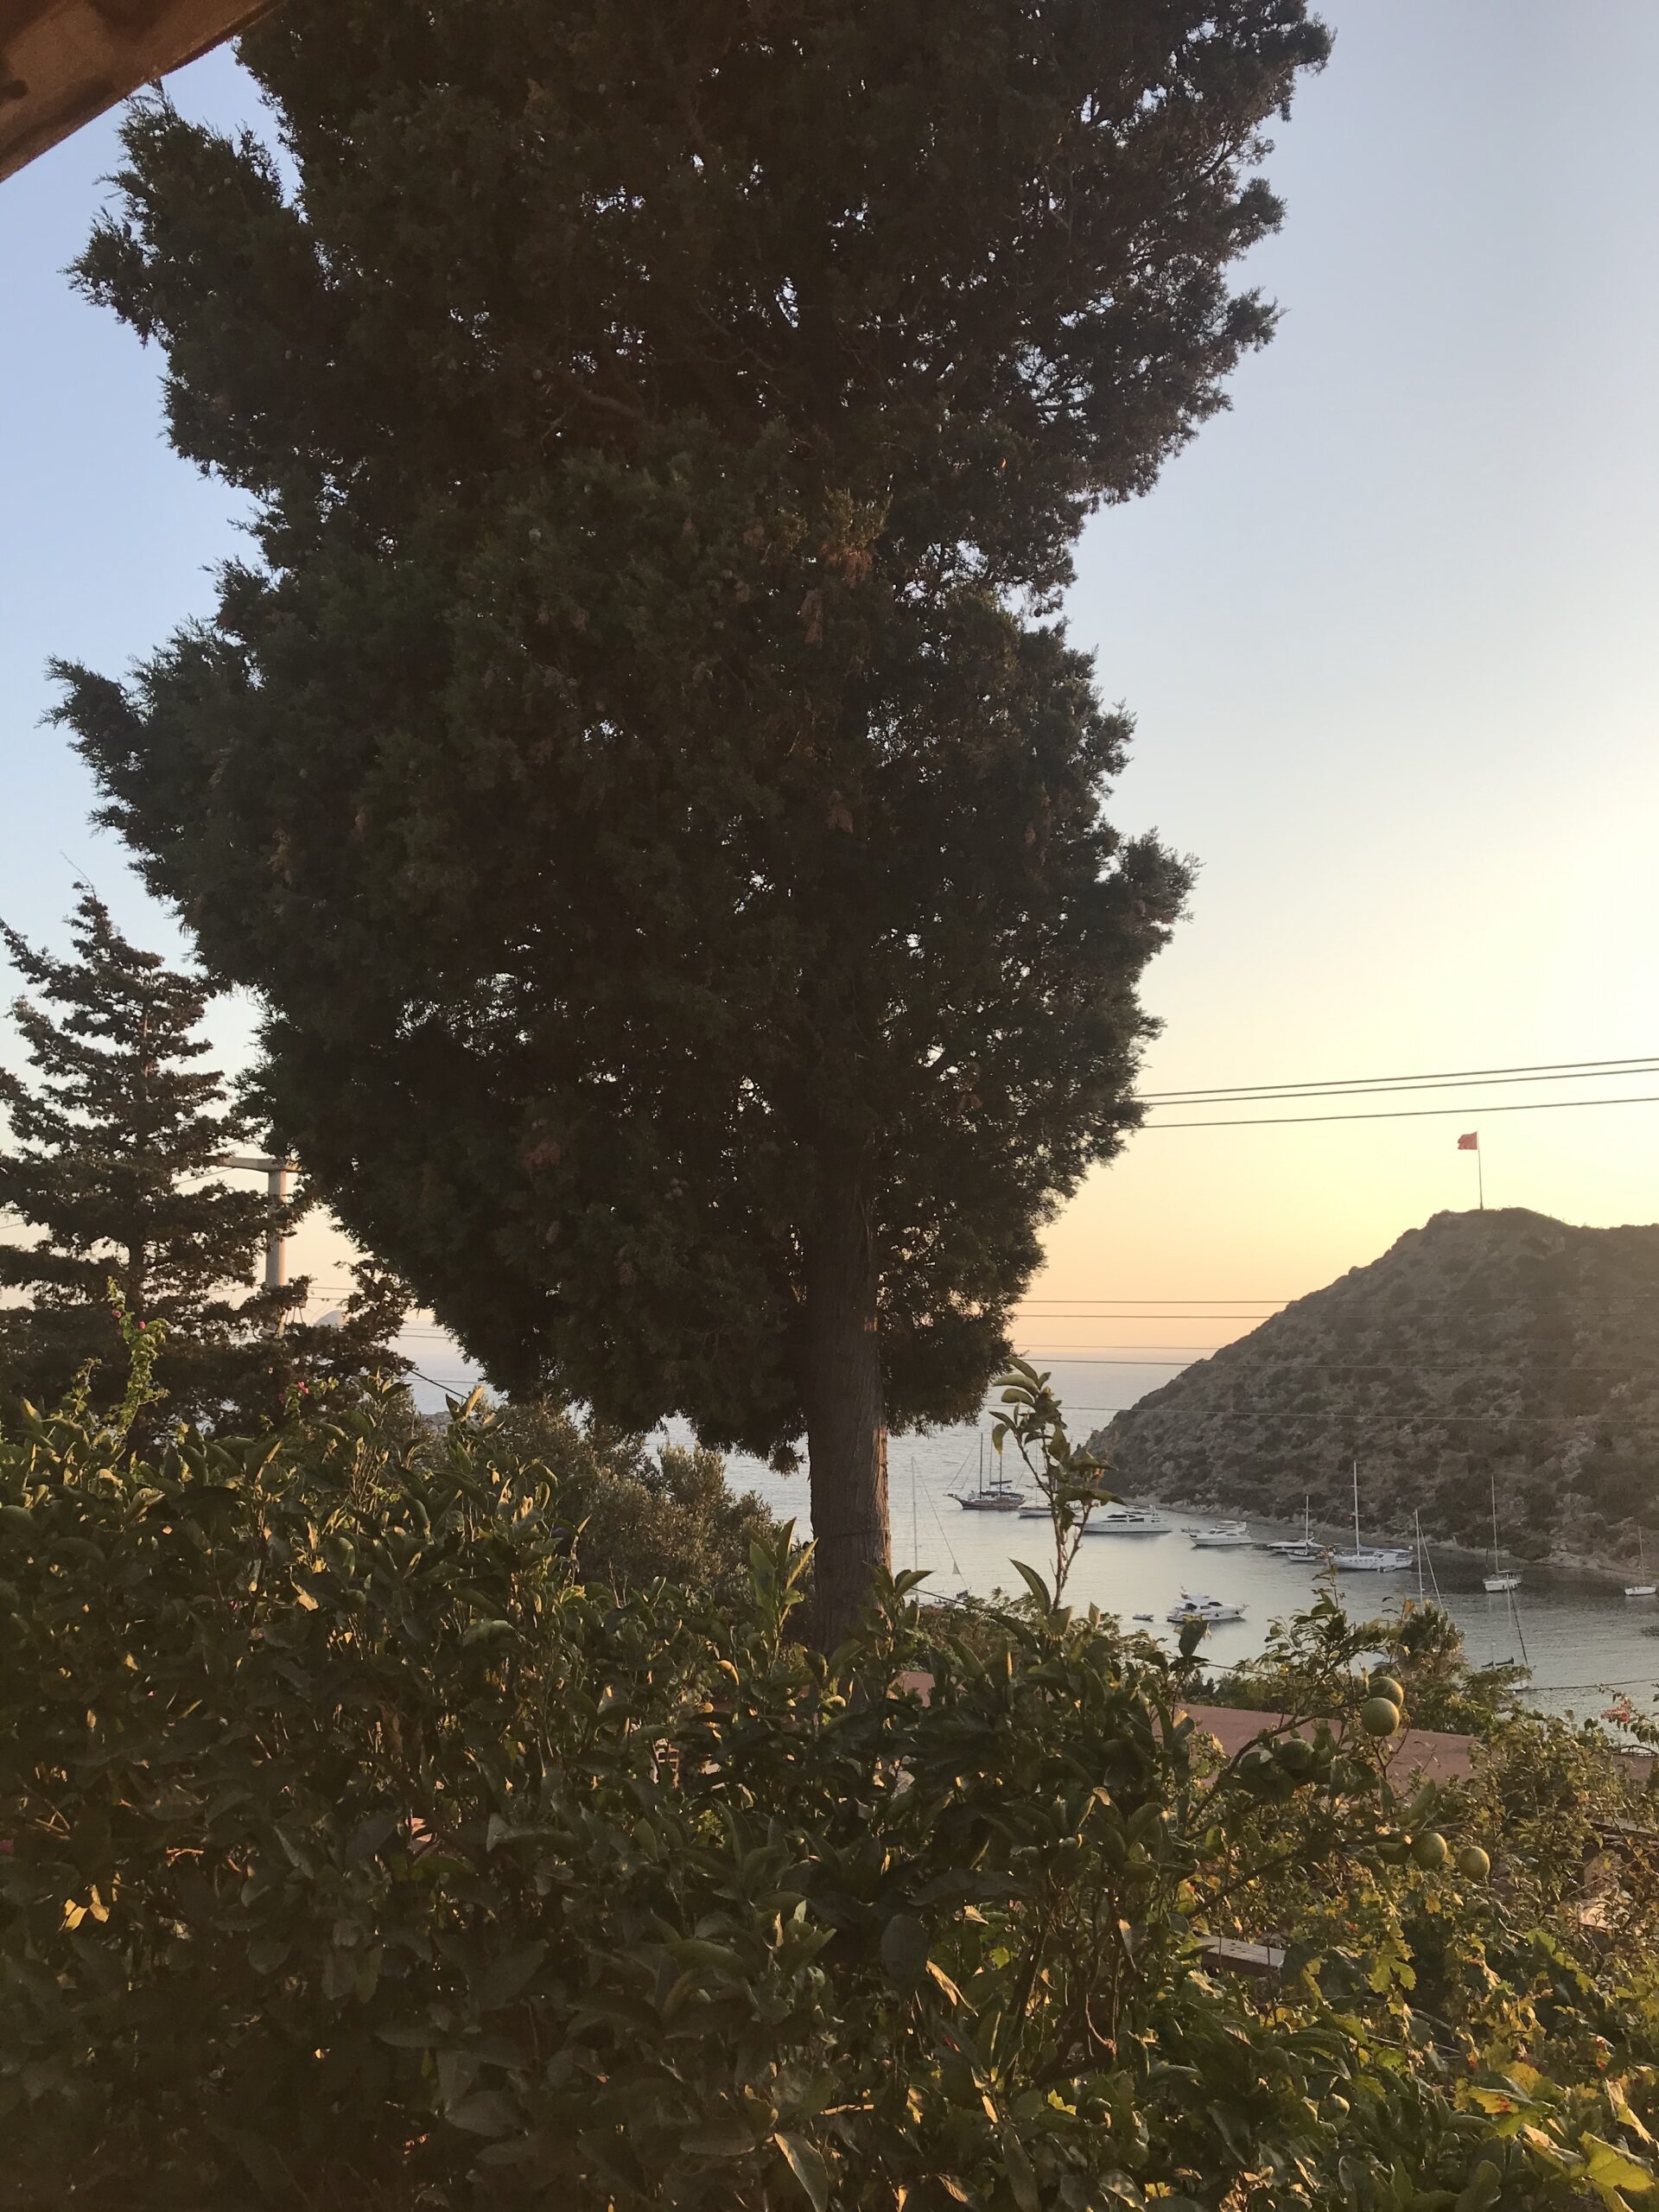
[1196, 1606]
[1130, 1521]
[999, 1495]
[1641, 1589]
[1301, 1550]
[1143, 1617]
[1370, 1558]
[1500, 1579]
[1222, 1536]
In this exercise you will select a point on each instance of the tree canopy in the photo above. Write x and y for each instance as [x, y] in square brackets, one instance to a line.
[643, 774]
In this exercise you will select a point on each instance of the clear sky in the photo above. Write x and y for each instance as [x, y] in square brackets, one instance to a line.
[1387, 628]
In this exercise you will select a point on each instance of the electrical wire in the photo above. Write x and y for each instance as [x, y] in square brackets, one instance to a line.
[1384, 1090]
[1402, 1113]
[1539, 1069]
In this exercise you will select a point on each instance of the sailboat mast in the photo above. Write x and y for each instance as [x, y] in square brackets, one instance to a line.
[1493, 1471]
[1356, 1505]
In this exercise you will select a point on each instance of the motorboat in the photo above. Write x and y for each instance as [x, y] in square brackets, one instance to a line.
[1221, 1536]
[1132, 1521]
[1194, 1606]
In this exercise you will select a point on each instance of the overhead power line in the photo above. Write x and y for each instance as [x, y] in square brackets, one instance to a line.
[1400, 1114]
[1216, 1093]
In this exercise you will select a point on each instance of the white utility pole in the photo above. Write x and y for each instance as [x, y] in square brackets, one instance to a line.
[279, 1175]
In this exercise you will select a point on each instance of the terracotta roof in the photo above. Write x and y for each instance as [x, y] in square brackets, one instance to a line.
[1430, 1754]
[64, 61]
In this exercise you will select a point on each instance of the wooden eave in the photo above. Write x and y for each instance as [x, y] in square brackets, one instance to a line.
[64, 61]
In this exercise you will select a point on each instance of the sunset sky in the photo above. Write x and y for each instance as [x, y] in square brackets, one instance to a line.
[1387, 629]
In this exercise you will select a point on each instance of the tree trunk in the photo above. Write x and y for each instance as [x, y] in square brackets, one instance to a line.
[846, 1412]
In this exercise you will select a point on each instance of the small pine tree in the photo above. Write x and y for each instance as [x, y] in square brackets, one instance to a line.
[110, 1162]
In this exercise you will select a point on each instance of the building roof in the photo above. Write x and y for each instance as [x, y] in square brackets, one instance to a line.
[64, 61]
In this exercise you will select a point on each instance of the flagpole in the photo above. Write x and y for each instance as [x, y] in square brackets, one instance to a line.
[1480, 1176]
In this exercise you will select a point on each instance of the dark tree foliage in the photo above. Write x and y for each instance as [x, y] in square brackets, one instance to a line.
[108, 1171]
[643, 776]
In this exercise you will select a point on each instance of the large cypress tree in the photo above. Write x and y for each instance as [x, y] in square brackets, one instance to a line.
[642, 774]
[108, 1168]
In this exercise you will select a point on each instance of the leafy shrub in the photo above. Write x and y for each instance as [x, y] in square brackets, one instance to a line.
[645, 1516]
[359, 1851]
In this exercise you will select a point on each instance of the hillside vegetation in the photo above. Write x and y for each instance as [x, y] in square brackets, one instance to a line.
[1489, 1345]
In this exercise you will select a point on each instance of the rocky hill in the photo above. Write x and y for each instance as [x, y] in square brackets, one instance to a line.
[1500, 1344]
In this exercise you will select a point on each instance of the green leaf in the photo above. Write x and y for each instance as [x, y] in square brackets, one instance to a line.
[502, 1980]
[486, 2111]
[1609, 2169]
[904, 1949]
[1034, 1582]
[807, 2165]
[723, 2137]
[1023, 2180]
[1481, 2191]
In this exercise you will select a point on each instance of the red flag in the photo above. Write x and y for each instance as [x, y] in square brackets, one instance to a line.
[1471, 1143]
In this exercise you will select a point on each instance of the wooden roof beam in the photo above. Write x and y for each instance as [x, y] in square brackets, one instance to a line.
[64, 61]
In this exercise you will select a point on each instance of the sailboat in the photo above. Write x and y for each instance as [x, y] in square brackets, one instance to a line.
[1370, 1558]
[999, 1495]
[1301, 1548]
[1498, 1579]
[1643, 1588]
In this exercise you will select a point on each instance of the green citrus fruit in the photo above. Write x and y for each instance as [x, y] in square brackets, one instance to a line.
[1431, 1849]
[1394, 1850]
[1380, 1716]
[1386, 1686]
[1473, 1863]
[1295, 1756]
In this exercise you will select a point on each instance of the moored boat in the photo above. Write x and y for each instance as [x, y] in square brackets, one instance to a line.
[1130, 1521]
[1641, 1587]
[1196, 1605]
[1502, 1578]
[998, 1496]
[1220, 1536]
[1370, 1558]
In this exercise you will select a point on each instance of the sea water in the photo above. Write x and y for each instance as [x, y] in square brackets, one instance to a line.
[1583, 1640]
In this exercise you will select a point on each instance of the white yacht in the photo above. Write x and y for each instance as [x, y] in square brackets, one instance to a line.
[1222, 1536]
[1196, 1606]
[1126, 1520]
